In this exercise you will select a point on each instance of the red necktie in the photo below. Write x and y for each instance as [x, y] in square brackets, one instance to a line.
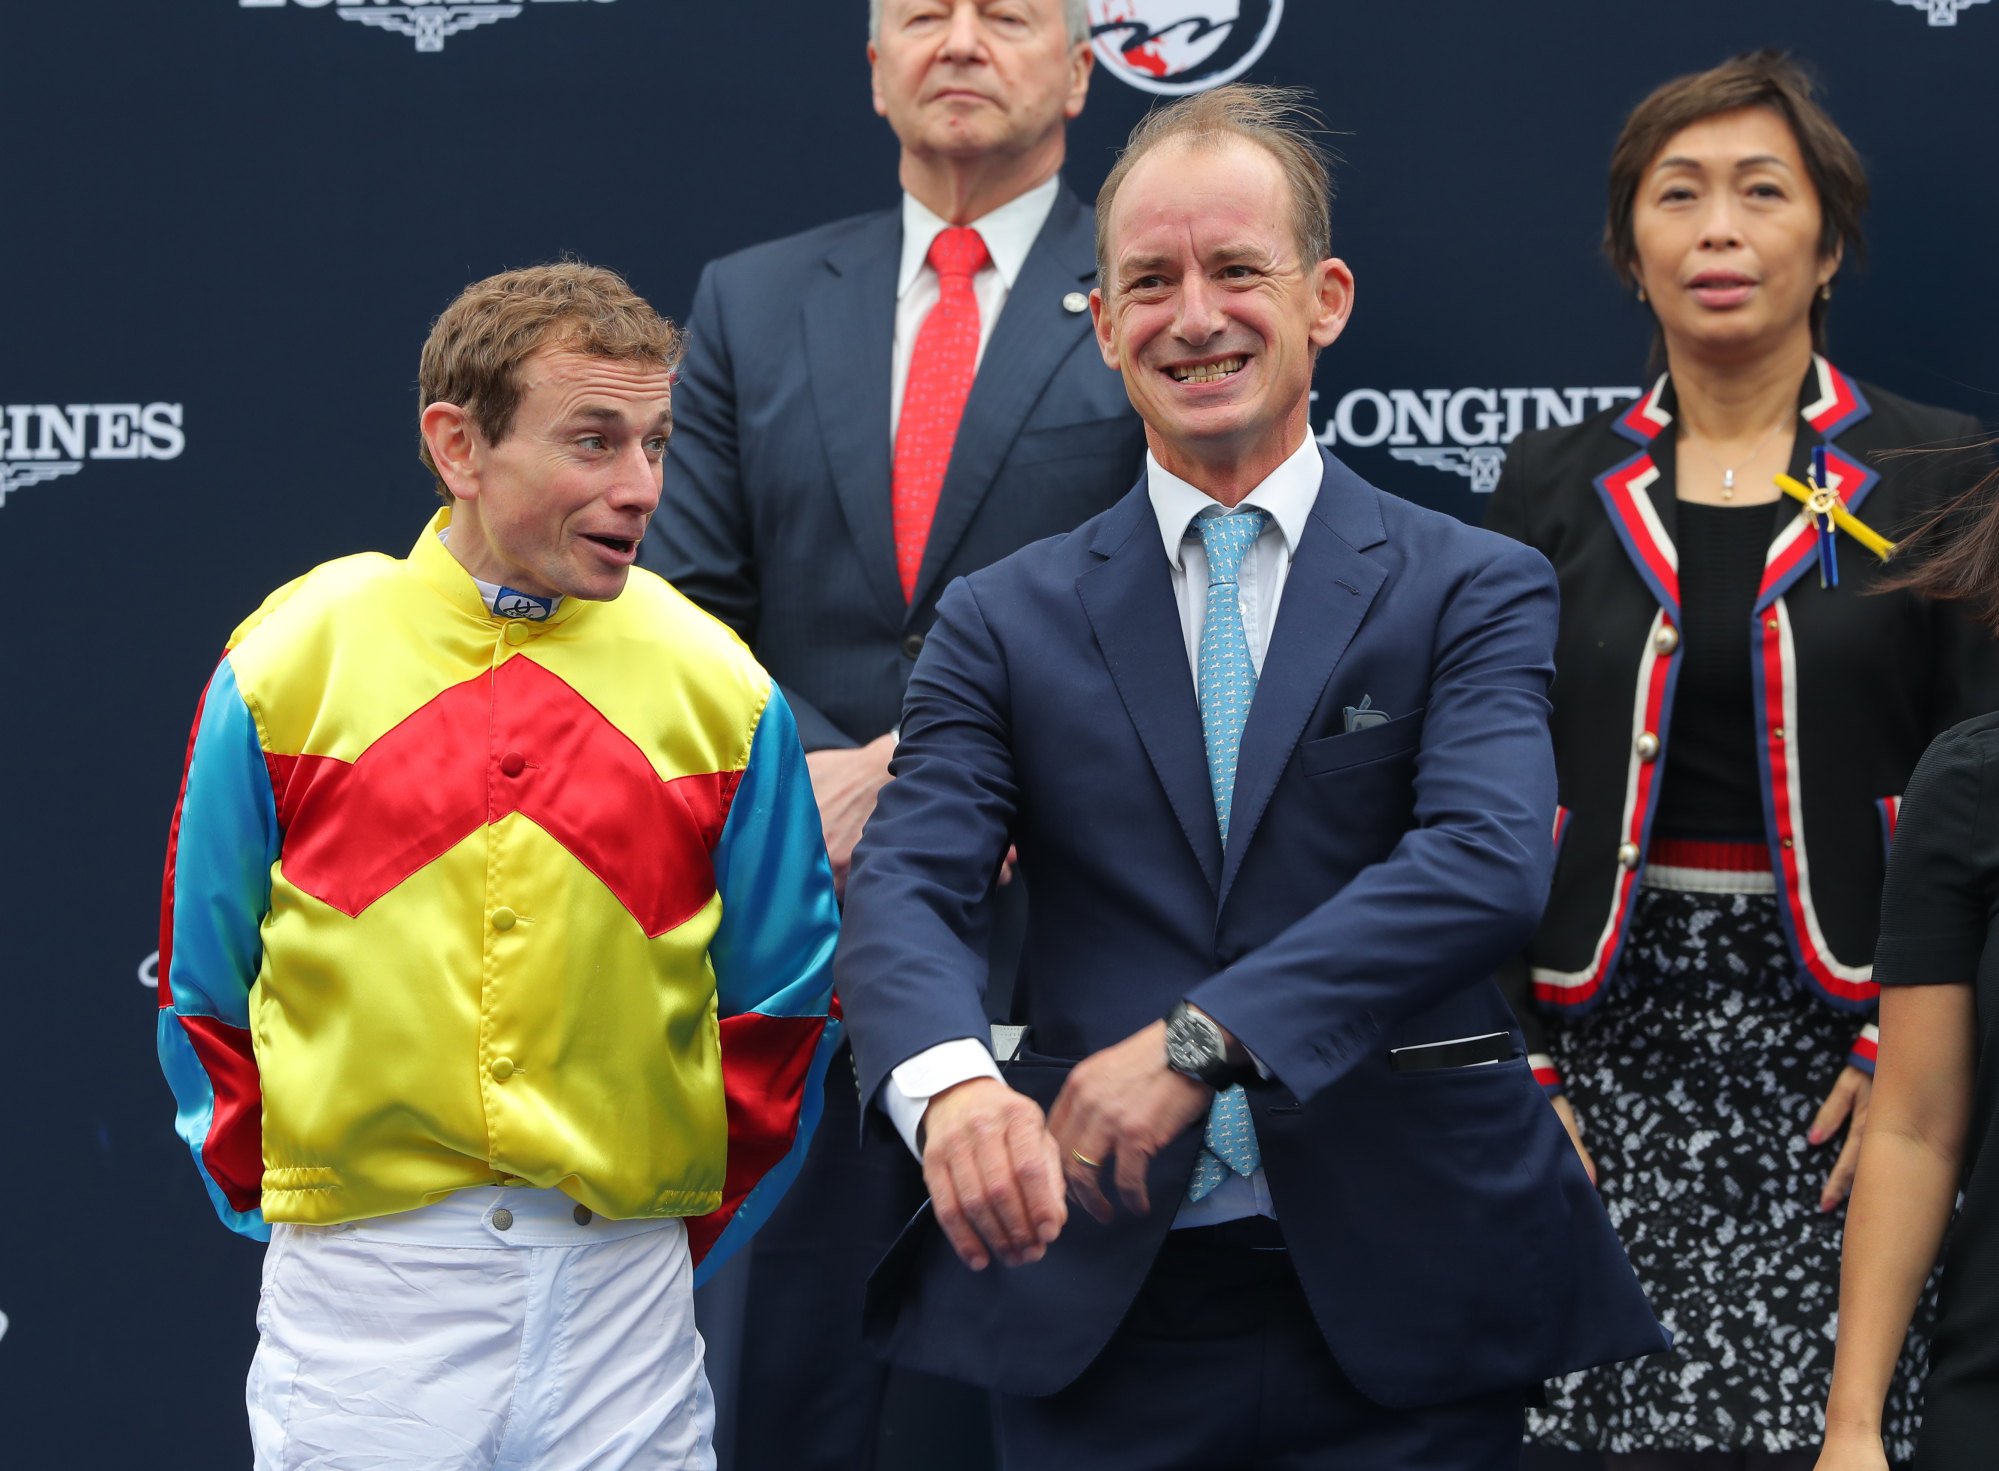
[933, 398]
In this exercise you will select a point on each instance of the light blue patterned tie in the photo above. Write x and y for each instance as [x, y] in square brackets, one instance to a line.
[1225, 682]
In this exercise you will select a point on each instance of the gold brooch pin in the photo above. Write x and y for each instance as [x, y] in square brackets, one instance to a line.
[1824, 501]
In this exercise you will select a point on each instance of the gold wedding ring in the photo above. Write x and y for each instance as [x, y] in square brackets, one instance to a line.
[1084, 1160]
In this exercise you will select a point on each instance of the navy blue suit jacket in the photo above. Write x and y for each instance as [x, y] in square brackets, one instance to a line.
[776, 514]
[1445, 1233]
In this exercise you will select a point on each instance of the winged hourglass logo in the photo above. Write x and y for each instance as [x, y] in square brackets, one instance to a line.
[1942, 12]
[429, 23]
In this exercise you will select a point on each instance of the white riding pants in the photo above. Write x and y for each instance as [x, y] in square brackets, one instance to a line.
[501, 1329]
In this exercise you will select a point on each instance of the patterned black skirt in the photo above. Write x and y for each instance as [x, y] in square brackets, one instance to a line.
[1695, 1086]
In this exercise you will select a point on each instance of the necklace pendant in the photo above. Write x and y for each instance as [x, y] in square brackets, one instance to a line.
[1727, 484]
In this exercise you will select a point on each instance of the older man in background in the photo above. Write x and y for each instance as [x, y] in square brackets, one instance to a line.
[867, 411]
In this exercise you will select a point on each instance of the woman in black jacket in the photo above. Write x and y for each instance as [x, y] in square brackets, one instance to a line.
[1735, 718]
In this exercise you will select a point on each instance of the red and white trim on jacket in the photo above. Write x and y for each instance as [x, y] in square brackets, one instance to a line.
[1628, 489]
[1839, 403]
[1655, 670]
[1865, 1049]
[1853, 984]
[1889, 809]
[1689, 866]
[1647, 419]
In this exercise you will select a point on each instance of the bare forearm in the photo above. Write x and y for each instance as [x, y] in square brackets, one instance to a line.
[1901, 1203]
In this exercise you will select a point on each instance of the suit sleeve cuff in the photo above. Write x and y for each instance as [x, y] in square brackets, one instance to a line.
[1863, 1053]
[1546, 1073]
[906, 1092]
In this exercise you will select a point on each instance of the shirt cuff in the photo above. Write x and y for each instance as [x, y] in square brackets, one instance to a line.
[909, 1087]
[1862, 1055]
[1546, 1073]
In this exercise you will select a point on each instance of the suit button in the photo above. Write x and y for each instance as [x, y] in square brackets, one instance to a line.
[1648, 747]
[1627, 854]
[582, 1215]
[912, 646]
[504, 918]
[502, 1219]
[513, 764]
[1666, 639]
[502, 1069]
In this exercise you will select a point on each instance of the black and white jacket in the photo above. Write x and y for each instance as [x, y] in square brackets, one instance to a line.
[1850, 684]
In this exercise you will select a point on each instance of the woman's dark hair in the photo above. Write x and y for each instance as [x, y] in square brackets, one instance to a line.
[1953, 556]
[1766, 78]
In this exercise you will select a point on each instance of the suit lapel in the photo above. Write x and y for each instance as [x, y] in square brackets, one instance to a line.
[1033, 335]
[1666, 502]
[849, 346]
[1327, 594]
[1637, 495]
[1129, 600]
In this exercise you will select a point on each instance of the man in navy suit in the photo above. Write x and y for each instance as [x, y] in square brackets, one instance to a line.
[867, 411]
[1273, 750]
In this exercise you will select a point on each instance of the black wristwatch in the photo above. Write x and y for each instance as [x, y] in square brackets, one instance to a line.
[1195, 1046]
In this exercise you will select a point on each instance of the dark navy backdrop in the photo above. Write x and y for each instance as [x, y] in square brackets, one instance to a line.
[224, 227]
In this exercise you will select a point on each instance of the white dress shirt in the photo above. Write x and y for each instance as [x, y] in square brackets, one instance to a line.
[1009, 233]
[1288, 494]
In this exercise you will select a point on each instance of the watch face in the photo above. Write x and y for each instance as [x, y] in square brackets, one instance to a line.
[1190, 1046]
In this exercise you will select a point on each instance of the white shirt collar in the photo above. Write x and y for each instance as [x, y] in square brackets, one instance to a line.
[518, 604]
[1287, 493]
[1008, 231]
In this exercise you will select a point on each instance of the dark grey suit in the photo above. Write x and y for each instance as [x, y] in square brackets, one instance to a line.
[776, 519]
[776, 514]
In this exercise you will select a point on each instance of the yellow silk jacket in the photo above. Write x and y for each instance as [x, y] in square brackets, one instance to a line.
[455, 899]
